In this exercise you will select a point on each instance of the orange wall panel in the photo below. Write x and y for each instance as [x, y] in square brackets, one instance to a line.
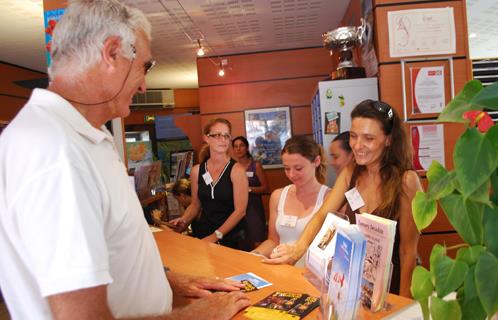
[186, 98]
[301, 120]
[265, 66]
[236, 97]
[426, 243]
[10, 107]
[190, 125]
[13, 96]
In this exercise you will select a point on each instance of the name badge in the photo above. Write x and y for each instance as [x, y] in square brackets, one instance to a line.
[250, 174]
[354, 198]
[207, 178]
[288, 221]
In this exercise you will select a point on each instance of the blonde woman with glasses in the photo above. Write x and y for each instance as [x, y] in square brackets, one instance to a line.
[219, 188]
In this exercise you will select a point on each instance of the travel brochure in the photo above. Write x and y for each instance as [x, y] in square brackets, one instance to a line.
[379, 233]
[251, 280]
[346, 273]
[281, 305]
[322, 248]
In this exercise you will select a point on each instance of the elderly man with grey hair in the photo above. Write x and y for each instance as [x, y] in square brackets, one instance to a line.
[74, 241]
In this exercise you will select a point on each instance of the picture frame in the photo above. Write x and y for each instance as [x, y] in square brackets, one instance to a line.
[267, 130]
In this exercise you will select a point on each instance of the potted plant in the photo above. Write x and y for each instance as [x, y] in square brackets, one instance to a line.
[468, 196]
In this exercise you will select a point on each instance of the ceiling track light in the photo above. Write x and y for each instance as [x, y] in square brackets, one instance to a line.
[221, 72]
[200, 51]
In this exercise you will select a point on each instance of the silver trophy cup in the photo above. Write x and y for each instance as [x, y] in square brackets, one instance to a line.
[342, 41]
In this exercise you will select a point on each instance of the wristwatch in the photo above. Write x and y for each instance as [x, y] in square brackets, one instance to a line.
[218, 234]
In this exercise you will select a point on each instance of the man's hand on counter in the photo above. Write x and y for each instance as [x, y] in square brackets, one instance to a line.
[198, 287]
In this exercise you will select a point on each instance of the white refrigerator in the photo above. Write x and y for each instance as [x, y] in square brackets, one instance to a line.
[331, 109]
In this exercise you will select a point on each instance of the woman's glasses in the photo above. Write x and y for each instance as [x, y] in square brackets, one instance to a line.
[384, 108]
[219, 136]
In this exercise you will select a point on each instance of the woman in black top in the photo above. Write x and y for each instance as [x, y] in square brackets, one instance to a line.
[219, 188]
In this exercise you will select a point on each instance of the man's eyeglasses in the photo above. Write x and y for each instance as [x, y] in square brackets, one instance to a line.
[384, 108]
[219, 136]
[149, 65]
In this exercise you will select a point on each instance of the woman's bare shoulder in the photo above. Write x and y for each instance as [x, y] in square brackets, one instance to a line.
[411, 181]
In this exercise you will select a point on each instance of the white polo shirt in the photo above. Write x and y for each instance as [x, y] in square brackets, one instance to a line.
[69, 218]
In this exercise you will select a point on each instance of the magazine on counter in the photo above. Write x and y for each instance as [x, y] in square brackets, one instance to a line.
[345, 276]
[322, 248]
[380, 233]
[283, 305]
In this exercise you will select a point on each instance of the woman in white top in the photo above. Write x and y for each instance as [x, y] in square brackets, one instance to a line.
[293, 206]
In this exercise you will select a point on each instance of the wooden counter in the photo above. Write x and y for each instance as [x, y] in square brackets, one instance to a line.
[193, 256]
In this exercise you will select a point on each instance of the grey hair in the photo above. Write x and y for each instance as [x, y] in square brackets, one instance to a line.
[80, 34]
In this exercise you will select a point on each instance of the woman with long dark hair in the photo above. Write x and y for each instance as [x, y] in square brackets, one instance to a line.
[382, 175]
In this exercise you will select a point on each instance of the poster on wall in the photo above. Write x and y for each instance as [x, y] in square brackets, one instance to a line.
[267, 130]
[428, 145]
[421, 32]
[51, 18]
[428, 93]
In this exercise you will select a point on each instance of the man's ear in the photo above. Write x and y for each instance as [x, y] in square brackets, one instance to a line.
[110, 50]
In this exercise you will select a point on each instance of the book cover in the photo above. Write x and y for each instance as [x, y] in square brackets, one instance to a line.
[345, 275]
[322, 248]
[379, 233]
[283, 305]
[340, 276]
[256, 281]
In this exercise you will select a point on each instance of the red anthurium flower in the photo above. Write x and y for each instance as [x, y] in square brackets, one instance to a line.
[481, 118]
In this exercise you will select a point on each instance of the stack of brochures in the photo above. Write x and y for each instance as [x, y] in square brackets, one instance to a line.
[379, 233]
[322, 248]
[281, 305]
[346, 273]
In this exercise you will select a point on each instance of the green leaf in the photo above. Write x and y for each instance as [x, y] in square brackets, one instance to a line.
[454, 111]
[465, 216]
[440, 181]
[444, 310]
[421, 287]
[494, 185]
[487, 97]
[424, 305]
[424, 210]
[475, 159]
[481, 194]
[437, 252]
[469, 255]
[490, 221]
[492, 135]
[449, 275]
[471, 305]
[486, 277]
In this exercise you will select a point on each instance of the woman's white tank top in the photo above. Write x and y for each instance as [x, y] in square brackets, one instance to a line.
[291, 234]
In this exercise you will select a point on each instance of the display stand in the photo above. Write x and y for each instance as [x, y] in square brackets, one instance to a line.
[310, 274]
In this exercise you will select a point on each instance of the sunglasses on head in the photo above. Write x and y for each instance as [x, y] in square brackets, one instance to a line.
[383, 108]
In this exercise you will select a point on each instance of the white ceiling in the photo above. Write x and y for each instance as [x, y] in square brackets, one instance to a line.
[226, 27]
